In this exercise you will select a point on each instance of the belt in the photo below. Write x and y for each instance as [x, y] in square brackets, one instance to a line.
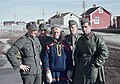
[85, 55]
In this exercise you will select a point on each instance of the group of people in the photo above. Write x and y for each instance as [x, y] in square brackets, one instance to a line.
[54, 59]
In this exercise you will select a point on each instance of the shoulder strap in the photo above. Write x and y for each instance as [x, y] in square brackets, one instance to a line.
[95, 38]
[96, 41]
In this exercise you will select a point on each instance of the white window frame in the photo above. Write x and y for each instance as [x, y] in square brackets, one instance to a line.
[96, 20]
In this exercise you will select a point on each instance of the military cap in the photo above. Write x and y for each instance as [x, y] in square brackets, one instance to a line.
[42, 26]
[83, 21]
[72, 22]
[31, 26]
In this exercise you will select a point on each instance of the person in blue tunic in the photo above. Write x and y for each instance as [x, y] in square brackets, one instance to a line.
[57, 59]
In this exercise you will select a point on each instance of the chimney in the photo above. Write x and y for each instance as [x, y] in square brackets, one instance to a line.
[60, 14]
[57, 13]
[94, 5]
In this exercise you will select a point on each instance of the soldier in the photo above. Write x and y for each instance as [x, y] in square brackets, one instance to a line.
[30, 49]
[90, 54]
[72, 37]
[44, 39]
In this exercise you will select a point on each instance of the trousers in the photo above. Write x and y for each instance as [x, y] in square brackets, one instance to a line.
[32, 79]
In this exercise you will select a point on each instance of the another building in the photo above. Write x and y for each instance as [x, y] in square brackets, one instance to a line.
[8, 23]
[62, 19]
[20, 22]
[98, 16]
[39, 21]
[117, 22]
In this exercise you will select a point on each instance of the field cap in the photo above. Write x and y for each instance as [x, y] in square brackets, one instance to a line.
[31, 26]
[72, 22]
[43, 26]
[83, 21]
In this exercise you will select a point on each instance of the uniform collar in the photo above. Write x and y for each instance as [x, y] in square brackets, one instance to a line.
[90, 35]
[29, 36]
[75, 35]
[42, 37]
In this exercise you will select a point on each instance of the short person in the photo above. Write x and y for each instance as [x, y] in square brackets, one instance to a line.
[57, 61]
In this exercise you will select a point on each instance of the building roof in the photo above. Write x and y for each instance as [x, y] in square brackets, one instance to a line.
[41, 19]
[60, 15]
[91, 10]
[117, 16]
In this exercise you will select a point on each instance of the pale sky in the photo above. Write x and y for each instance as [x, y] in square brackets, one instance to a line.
[31, 10]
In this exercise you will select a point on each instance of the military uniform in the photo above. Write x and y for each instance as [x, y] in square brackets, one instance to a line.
[72, 38]
[30, 50]
[44, 40]
[90, 54]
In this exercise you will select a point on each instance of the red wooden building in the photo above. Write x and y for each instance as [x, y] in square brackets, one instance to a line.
[99, 17]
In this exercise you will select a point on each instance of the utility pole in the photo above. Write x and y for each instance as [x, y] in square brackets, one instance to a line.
[84, 8]
[43, 15]
[15, 17]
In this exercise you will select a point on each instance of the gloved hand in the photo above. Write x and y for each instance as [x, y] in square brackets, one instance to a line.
[49, 76]
[69, 74]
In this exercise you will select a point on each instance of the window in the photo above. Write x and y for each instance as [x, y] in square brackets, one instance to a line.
[71, 14]
[96, 20]
[100, 10]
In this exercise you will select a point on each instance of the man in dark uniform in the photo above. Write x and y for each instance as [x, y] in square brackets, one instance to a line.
[73, 36]
[44, 39]
[30, 49]
[90, 55]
